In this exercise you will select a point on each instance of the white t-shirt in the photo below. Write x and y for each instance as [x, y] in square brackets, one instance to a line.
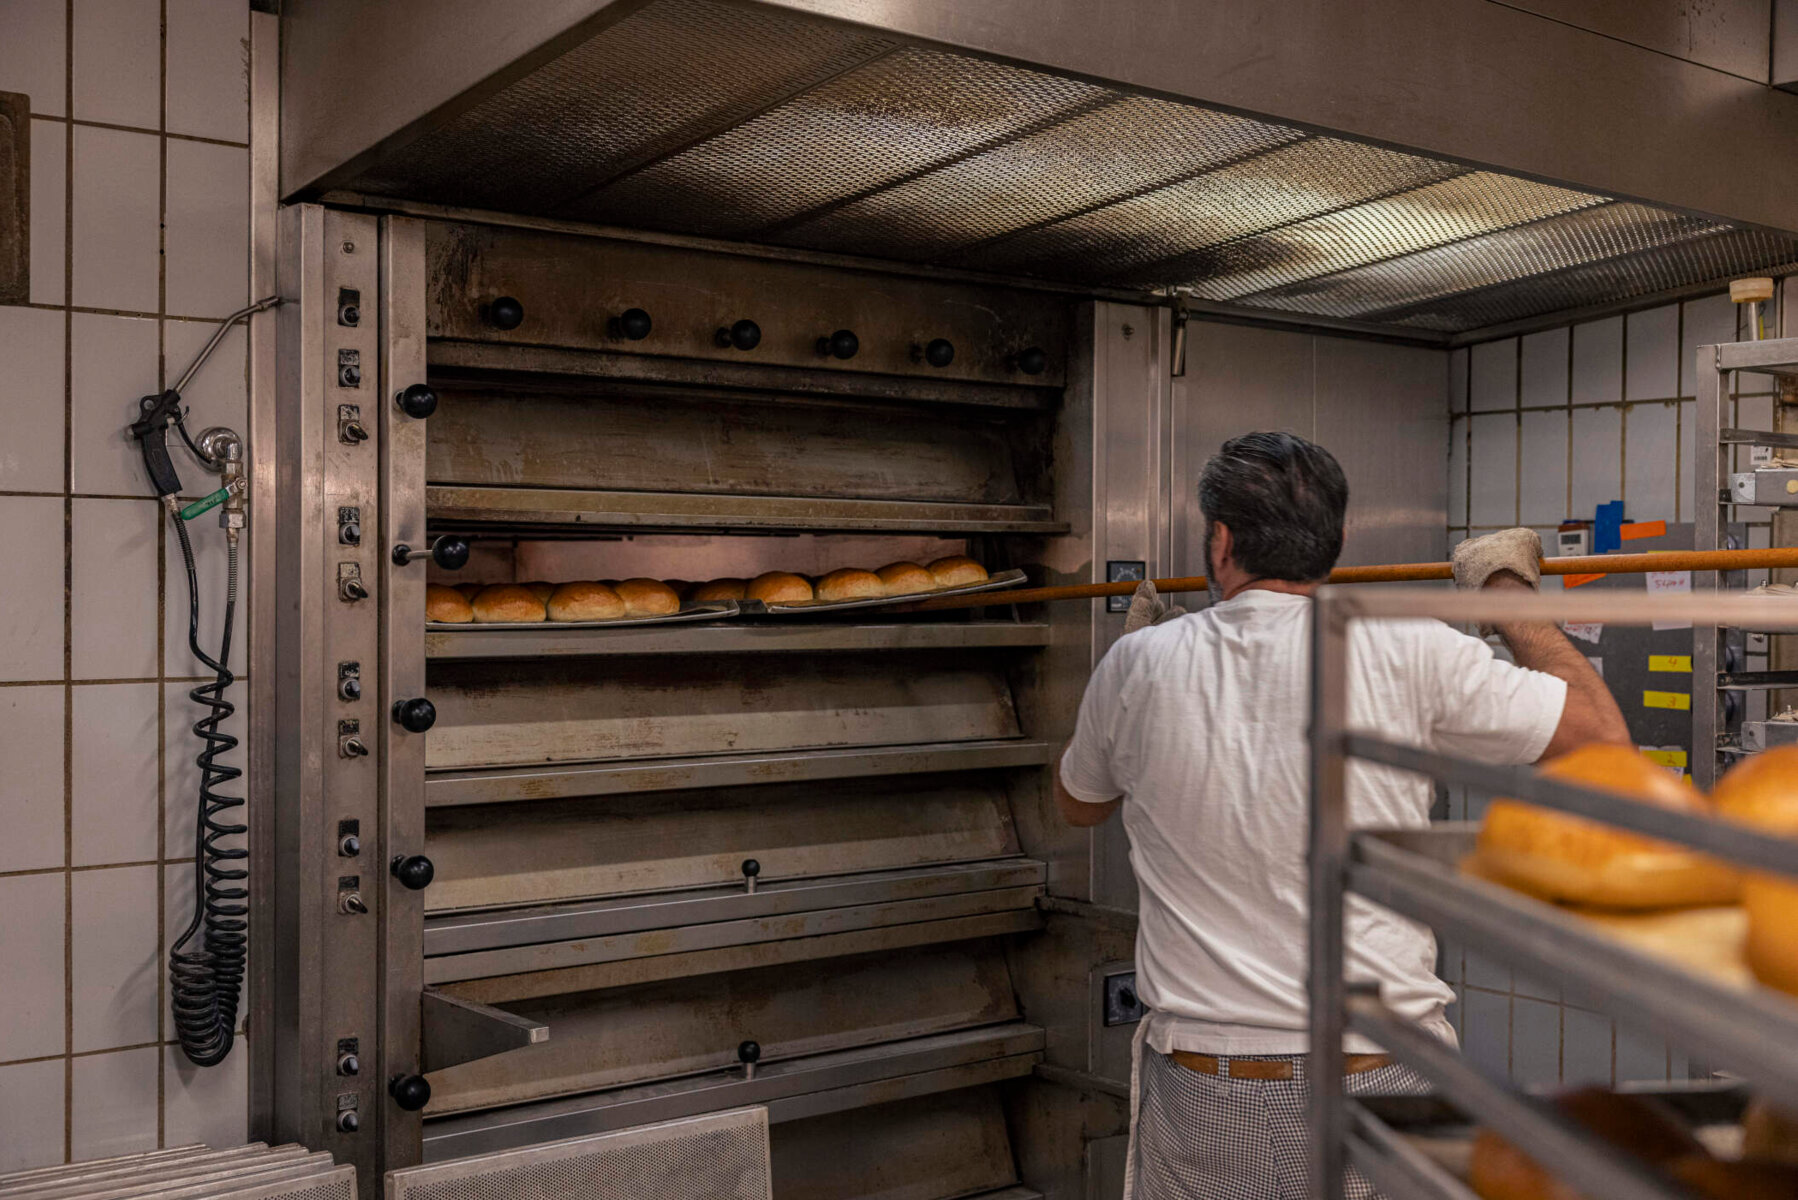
[1200, 724]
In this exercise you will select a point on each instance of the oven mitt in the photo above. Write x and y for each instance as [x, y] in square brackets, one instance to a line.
[1147, 608]
[1518, 551]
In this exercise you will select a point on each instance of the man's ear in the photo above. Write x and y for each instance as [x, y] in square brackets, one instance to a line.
[1221, 544]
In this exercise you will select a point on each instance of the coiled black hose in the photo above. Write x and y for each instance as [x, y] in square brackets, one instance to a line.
[206, 983]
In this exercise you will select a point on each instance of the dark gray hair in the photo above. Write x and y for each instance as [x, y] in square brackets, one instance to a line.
[1282, 498]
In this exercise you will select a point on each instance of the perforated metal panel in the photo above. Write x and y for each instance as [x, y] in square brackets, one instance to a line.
[721, 1156]
[250, 1172]
[697, 116]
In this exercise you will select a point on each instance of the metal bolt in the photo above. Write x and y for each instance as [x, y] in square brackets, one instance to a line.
[1129, 331]
[349, 247]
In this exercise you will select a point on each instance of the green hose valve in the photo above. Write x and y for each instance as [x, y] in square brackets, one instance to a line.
[206, 504]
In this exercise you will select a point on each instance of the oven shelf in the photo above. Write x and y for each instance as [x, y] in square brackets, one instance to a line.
[454, 506]
[497, 785]
[792, 1089]
[1731, 1020]
[475, 641]
[470, 945]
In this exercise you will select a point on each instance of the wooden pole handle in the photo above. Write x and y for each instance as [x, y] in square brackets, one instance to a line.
[1585, 564]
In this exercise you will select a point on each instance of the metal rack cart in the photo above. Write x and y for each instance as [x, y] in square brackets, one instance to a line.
[1748, 1030]
[1717, 712]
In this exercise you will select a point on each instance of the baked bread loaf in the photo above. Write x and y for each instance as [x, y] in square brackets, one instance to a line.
[715, 590]
[1569, 859]
[471, 590]
[1636, 1125]
[850, 583]
[447, 604]
[778, 587]
[958, 570]
[905, 579]
[540, 589]
[1763, 791]
[507, 602]
[647, 597]
[585, 602]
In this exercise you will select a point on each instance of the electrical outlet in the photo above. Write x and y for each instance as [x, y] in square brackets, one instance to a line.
[1122, 1005]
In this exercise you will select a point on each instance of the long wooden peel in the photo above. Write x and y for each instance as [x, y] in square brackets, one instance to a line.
[1585, 564]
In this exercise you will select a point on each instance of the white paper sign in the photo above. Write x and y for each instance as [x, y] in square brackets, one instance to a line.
[1667, 583]
[1585, 631]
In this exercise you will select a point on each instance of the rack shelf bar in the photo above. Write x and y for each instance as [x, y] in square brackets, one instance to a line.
[727, 638]
[1395, 1166]
[1757, 437]
[496, 785]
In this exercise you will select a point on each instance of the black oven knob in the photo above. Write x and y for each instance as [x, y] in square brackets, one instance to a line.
[417, 401]
[448, 552]
[414, 871]
[410, 1092]
[505, 313]
[744, 335]
[841, 344]
[1032, 360]
[415, 715]
[940, 352]
[634, 324]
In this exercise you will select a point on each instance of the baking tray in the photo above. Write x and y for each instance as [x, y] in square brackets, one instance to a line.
[805, 608]
[717, 610]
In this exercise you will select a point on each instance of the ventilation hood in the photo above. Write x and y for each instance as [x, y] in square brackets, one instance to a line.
[773, 125]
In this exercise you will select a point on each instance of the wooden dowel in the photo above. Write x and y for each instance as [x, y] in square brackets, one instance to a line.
[1586, 564]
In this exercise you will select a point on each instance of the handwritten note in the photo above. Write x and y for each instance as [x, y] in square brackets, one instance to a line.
[1667, 583]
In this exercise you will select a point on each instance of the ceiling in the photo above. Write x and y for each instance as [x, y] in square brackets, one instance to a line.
[732, 121]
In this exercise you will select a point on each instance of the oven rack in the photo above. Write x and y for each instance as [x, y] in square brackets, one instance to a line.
[735, 637]
[1742, 1027]
[792, 1089]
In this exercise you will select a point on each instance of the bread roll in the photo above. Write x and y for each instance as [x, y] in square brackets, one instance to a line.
[1763, 791]
[446, 604]
[1747, 1179]
[850, 583]
[905, 579]
[958, 570]
[585, 602]
[540, 589]
[470, 590]
[715, 590]
[507, 602]
[778, 587]
[647, 597]
[1635, 1125]
[1565, 858]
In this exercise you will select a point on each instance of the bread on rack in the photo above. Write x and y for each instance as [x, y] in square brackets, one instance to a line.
[1557, 856]
[1763, 791]
[850, 583]
[957, 570]
[647, 597]
[539, 588]
[471, 590]
[585, 601]
[714, 590]
[1635, 1125]
[905, 579]
[508, 603]
[778, 587]
[447, 605]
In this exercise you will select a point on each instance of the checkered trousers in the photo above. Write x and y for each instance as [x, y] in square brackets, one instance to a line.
[1209, 1137]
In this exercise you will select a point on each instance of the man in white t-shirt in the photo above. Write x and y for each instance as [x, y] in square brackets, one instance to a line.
[1195, 725]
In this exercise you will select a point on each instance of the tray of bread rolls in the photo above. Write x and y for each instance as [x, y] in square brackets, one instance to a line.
[782, 594]
[581, 604]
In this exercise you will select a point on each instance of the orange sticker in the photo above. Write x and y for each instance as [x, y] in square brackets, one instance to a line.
[1643, 529]
[1577, 580]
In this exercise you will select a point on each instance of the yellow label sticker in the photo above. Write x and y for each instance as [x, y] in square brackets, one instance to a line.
[1670, 662]
[1679, 700]
[1667, 758]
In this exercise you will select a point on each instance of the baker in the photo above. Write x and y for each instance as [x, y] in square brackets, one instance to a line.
[1194, 726]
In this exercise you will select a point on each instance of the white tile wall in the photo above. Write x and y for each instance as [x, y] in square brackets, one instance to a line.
[146, 195]
[1494, 379]
[1706, 322]
[31, 348]
[1457, 381]
[1535, 1042]
[1542, 460]
[1652, 353]
[1493, 488]
[1457, 471]
[1650, 461]
[1585, 1047]
[1597, 459]
[1545, 367]
[1598, 361]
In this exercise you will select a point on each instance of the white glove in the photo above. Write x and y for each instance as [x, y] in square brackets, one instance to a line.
[1518, 551]
[1147, 608]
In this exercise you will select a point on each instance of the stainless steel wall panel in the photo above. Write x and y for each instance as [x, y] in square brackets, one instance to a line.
[658, 442]
[573, 711]
[490, 856]
[927, 1148]
[666, 1029]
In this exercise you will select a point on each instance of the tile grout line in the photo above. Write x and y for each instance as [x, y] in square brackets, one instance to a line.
[162, 304]
[68, 571]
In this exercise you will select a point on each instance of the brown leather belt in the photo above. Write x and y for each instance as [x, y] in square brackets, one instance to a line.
[1275, 1068]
